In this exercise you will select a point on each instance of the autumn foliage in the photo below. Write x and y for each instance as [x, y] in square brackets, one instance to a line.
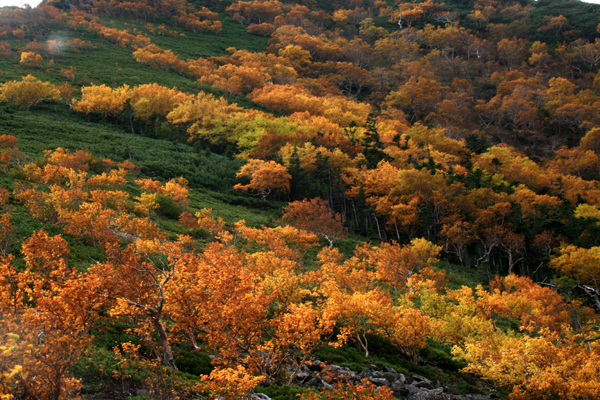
[265, 178]
[28, 92]
[440, 134]
[30, 59]
[314, 216]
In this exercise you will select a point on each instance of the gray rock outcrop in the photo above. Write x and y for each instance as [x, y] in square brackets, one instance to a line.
[317, 375]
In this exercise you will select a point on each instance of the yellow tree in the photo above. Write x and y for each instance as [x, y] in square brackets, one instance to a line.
[30, 59]
[406, 327]
[358, 314]
[545, 366]
[202, 115]
[28, 92]
[153, 99]
[583, 265]
[512, 52]
[102, 99]
[591, 141]
[417, 97]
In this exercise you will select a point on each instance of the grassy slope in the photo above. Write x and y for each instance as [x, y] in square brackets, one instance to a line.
[115, 66]
[46, 127]
[212, 176]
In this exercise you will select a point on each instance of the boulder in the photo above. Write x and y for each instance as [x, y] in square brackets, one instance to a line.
[434, 394]
[379, 381]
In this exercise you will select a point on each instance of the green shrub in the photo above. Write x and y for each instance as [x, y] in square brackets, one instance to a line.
[194, 363]
[469, 389]
[167, 207]
[100, 370]
[440, 355]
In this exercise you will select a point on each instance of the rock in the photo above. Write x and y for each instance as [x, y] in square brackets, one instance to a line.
[326, 385]
[379, 381]
[260, 396]
[452, 389]
[390, 376]
[373, 367]
[399, 389]
[435, 394]
[420, 378]
[302, 375]
[393, 377]
[412, 389]
[400, 378]
[424, 385]
[313, 382]
[342, 372]
[468, 397]
[316, 366]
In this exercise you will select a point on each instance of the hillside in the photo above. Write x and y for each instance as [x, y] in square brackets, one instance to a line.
[327, 199]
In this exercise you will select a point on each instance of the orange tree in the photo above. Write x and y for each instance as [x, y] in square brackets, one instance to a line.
[314, 216]
[265, 178]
